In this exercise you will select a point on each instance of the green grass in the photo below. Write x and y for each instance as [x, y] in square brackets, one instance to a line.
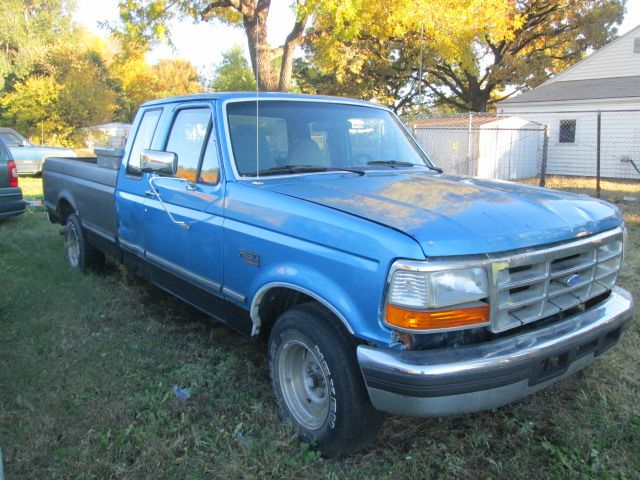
[31, 187]
[87, 363]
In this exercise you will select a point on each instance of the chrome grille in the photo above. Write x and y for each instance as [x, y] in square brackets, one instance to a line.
[534, 285]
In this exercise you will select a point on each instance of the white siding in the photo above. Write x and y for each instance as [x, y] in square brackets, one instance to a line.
[617, 59]
[620, 139]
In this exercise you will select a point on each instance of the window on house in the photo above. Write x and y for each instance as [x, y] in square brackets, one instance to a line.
[567, 131]
[636, 45]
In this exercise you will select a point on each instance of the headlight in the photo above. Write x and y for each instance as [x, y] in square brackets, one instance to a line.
[422, 290]
[425, 300]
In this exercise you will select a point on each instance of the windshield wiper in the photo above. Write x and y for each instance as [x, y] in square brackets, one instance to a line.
[392, 163]
[397, 164]
[304, 169]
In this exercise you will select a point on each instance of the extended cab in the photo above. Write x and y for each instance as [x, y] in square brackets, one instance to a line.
[382, 284]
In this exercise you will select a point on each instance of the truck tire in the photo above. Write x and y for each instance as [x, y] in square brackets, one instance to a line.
[79, 253]
[317, 383]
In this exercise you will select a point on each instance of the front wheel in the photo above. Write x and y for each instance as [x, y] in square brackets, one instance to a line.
[317, 382]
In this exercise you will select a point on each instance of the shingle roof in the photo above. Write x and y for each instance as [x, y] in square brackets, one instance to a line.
[618, 87]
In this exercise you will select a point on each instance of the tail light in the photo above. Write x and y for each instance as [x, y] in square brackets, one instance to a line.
[13, 174]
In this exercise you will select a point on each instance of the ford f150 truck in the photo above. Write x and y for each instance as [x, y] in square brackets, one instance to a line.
[382, 284]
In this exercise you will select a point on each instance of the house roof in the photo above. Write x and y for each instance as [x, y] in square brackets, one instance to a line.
[618, 87]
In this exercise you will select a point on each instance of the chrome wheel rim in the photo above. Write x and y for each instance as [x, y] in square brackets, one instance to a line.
[72, 244]
[304, 384]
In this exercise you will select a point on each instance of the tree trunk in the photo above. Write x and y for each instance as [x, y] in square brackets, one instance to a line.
[479, 101]
[292, 41]
[255, 28]
[287, 65]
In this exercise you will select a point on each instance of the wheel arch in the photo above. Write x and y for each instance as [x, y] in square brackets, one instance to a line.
[258, 311]
[65, 207]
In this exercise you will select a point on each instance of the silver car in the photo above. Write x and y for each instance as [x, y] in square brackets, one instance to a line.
[29, 158]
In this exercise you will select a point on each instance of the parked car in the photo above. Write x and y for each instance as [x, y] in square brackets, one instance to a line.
[29, 158]
[11, 201]
[382, 284]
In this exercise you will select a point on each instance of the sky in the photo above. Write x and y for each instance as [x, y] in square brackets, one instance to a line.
[204, 43]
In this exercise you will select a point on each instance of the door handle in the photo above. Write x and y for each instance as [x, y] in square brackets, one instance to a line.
[154, 193]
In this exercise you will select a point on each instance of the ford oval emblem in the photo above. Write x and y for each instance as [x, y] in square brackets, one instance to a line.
[573, 280]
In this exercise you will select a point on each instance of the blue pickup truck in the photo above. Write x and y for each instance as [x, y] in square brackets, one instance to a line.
[381, 283]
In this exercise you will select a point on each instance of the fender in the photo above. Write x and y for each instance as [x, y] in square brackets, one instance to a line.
[257, 299]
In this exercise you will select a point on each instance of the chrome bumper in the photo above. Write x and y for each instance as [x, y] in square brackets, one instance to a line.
[487, 375]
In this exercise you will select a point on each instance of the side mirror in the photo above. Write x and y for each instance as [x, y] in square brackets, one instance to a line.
[163, 163]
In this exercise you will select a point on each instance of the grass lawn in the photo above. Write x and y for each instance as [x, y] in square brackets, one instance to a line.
[87, 365]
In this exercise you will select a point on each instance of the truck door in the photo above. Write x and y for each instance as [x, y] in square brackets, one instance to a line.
[131, 188]
[183, 228]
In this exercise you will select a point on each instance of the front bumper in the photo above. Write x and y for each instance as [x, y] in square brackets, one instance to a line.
[487, 375]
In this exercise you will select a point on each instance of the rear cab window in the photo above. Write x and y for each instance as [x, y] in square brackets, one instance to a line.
[143, 139]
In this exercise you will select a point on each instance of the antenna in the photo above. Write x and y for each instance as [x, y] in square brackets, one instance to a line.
[257, 97]
[420, 75]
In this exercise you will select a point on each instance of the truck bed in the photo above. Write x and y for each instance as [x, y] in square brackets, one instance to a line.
[87, 187]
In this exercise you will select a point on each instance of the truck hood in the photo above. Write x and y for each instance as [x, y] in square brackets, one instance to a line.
[456, 216]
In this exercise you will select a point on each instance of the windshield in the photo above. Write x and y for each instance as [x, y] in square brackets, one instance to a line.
[12, 139]
[299, 137]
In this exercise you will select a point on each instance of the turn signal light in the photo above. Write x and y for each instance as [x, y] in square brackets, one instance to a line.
[461, 317]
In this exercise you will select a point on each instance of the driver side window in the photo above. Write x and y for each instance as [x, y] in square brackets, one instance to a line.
[187, 139]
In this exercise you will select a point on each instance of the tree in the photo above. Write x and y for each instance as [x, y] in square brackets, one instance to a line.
[81, 67]
[489, 50]
[175, 77]
[389, 76]
[71, 89]
[28, 29]
[550, 36]
[30, 107]
[233, 73]
[138, 82]
[146, 22]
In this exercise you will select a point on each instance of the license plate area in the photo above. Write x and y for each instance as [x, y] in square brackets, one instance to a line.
[549, 368]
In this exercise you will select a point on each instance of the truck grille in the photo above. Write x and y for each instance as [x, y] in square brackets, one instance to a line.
[535, 285]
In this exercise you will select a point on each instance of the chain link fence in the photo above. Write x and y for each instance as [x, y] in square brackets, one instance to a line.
[531, 145]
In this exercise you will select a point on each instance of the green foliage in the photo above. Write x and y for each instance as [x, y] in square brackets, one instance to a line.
[27, 30]
[31, 108]
[233, 73]
[471, 59]
[139, 82]
[56, 78]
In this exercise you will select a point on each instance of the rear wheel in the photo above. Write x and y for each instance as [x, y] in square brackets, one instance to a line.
[317, 382]
[79, 253]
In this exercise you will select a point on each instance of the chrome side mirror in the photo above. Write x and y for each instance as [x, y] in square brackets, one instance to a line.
[155, 161]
